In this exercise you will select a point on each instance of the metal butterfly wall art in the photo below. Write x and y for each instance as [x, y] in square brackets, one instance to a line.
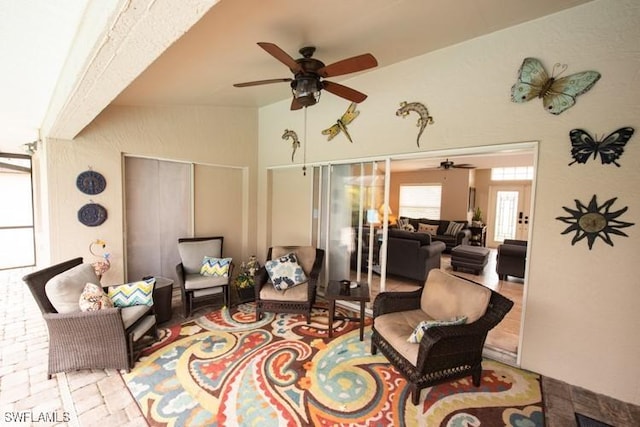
[610, 148]
[342, 122]
[558, 94]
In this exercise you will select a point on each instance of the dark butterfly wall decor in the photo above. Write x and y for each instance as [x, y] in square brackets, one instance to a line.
[609, 148]
[558, 94]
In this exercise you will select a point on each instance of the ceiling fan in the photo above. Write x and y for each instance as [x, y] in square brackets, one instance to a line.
[308, 75]
[448, 164]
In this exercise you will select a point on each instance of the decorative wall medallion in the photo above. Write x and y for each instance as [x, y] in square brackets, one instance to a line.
[610, 148]
[91, 182]
[424, 118]
[594, 221]
[342, 122]
[558, 94]
[92, 214]
[295, 142]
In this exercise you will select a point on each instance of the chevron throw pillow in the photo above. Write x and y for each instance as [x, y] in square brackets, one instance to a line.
[218, 267]
[418, 333]
[136, 293]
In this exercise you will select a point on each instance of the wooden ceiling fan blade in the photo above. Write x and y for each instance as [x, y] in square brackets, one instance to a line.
[295, 104]
[464, 166]
[344, 92]
[349, 65]
[262, 82]
[281, 56]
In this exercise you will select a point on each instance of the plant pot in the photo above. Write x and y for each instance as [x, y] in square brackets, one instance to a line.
[246, 294]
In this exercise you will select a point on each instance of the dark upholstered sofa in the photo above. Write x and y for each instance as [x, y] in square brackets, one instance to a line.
[411, 254]
[461, 238]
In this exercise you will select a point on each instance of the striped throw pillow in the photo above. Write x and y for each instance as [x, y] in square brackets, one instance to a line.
[217, 267]
[454, 228]
[135, 293]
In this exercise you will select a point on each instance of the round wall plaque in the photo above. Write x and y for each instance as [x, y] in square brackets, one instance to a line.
[92, 214]
[91, 182]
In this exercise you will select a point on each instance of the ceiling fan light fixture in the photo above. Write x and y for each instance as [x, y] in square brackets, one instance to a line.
[306, 90]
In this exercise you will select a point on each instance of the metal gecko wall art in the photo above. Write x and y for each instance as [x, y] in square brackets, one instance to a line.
[295, 142]
[423, 120]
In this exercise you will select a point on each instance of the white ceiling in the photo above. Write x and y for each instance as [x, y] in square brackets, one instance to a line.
[200, 67]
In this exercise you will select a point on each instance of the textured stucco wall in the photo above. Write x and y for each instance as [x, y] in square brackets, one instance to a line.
[581, 315]
[206, 135]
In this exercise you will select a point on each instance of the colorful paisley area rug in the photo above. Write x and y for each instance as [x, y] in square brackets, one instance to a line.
[225, 369]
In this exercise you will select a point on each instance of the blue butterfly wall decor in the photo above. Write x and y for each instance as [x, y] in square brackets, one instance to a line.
[558, 94]
[609, 148]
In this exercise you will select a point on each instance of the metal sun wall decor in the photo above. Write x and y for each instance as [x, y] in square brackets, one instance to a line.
[558, 94]
[342, 122]
[423, 120]
[593, 221]
[610, 148]
[295, 142]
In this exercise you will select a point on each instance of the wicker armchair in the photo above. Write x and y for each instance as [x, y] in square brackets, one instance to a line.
[299, 299]
[445, 352]
[103, 339]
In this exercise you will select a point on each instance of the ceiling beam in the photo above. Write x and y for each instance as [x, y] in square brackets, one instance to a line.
[117, 41]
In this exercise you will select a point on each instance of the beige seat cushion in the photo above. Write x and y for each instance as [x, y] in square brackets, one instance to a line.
[192, 253]
[297, 293]
[306, 255]
[130, 315]
[396, 329]
[196, 281]
[64, 290]
[446, 296]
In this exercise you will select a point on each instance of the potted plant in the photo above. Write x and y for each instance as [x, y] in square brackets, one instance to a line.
[244, 281]
[476, 219]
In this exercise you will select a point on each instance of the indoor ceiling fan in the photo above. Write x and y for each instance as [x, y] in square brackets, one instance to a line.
[448, 164]
[309, 73]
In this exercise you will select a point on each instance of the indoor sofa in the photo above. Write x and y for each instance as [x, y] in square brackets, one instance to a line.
[441, 235]
[411, 254]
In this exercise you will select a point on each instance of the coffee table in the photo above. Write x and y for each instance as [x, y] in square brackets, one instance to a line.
[336, 291]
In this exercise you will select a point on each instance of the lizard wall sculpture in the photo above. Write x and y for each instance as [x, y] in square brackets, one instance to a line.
[423, 121]
[295, 142]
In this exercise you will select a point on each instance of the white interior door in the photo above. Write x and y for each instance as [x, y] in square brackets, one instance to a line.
[509, 213]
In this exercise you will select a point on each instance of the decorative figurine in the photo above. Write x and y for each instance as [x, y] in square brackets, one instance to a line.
[295, 142]
[558, 94]
[102, 266]
[423, 120]
[609, 148]
[341, 123]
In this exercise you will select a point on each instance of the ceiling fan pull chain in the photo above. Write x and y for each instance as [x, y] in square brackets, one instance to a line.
[304, 147]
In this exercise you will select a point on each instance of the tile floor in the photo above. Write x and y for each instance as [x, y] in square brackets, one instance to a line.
[99, 397]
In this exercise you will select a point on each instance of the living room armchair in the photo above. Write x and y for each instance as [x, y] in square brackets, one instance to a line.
[197, 287]
[511, 259]
[443, 353]
[296, 299]
[102, 339]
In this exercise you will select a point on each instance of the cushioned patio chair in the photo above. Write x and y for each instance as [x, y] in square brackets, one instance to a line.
[196, 287]
[296, 299]
[511, 259]
[444, 353]
[101, 339]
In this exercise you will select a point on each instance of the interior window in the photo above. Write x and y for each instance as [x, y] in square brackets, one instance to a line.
[512, 174]
[420, 201]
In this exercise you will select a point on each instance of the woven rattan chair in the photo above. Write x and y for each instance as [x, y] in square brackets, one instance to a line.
[89, 339]
[445, 353]
[299, 299]
[196, 288]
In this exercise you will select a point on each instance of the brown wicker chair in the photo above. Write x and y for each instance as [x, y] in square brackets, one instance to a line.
[445, 352]
[299, 299]
[89, 339]
[195, 287]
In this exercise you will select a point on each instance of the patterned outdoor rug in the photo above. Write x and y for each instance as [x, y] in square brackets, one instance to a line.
[224, 369]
